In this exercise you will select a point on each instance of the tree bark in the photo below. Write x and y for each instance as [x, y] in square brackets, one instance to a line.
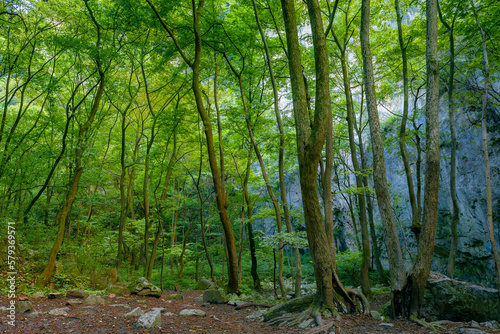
[398, 276]
[417, 279]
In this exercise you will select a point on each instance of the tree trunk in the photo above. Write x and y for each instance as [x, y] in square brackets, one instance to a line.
[417, 279]
[309, 146]
[416, 225]
[286, 213]
[453, 159]
[398, 276]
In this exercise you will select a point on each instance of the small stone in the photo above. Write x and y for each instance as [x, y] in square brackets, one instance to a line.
[141, 301]
[205, 304]
[198, 300]
[192, 312]
[135, 312]
[55, 295]
[149, 320]
[59, 311]
[168, 314]
[386, 324]
[174, 296]
[74, 302]
[3, 309]
[305, 324]
[24, 307]
[375, 315]
[38, 295]
[111, 296]
[94, 299]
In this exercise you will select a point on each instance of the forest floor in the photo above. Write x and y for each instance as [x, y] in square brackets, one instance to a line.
[221, 318]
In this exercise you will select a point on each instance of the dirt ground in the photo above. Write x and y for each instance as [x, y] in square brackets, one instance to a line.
[219, 319]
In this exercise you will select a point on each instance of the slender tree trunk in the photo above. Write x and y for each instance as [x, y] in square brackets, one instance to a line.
[455, 219]
[416, 225]
[286, 213]
[398, 276]
[489, 201]
[123, 197]
[417, 279]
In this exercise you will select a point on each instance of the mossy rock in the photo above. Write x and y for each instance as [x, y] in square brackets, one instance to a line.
[205, 284]
[118, 290]
[174, 296]
[143, 288]
[292, 306]
[213, 296]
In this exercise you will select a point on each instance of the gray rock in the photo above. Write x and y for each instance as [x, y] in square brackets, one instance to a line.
[149, 320]
[74, 302]
[59, 311]
[94, 299]
[198, 300]
[213, 296]
[134, 313]
[205, 304]
[192, 312]
[38, 295]
[125, 306]
[306, 323]
[205, 284]
[143, 288]
[24, 306]
[386, 324]
[161, 309]
[258, 314]
[76, 294]
[168, 314]
[447, 299]
[491, 324]
[375, 315]
[471, 331]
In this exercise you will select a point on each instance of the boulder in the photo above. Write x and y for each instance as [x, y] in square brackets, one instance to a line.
[134, 313]
[192, 312]
[76, 294]
[375, 315]
[213, 296]
[143, 288]
[24, 307]
[117, 290]
[94, 299]
[149, 320]
[205, 284]
[454, 300]
[174, 296]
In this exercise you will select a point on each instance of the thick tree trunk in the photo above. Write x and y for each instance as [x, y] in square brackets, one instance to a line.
[398, 276]
[309, 146]
[417, 279]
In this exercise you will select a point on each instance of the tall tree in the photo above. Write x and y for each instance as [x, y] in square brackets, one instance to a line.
[396, 264]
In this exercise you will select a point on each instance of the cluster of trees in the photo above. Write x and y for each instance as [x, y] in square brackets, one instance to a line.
[123, 122]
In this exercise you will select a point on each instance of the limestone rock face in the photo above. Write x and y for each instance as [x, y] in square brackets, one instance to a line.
[214, 297]
[149, 320]
[447, 299]
[143, 288]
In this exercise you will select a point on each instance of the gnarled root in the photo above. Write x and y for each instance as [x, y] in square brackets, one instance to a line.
[364, 306]
[326, 328]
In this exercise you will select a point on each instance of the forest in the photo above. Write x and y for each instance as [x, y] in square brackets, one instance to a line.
[332, 153]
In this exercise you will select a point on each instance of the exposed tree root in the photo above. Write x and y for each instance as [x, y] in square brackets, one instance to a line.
[247, 305]
[326, 328]
[364, 306]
